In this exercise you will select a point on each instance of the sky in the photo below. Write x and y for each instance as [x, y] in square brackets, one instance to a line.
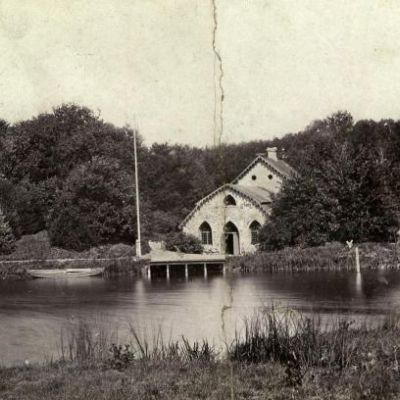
[153, 64]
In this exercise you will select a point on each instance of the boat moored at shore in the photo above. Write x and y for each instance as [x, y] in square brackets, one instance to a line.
[66, 273]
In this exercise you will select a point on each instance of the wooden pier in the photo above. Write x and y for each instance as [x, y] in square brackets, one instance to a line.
[169, 263]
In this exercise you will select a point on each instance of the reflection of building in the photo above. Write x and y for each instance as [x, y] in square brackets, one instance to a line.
[228, 220]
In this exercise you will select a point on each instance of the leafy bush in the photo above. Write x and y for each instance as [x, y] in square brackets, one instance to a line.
[121, 356]
[184, 243]
[33, 201]
[7, 239]
[95, 207]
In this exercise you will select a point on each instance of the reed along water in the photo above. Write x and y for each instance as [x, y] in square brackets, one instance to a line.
[34, 314]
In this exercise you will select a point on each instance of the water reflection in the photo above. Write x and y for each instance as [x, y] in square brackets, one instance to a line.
[32, 313]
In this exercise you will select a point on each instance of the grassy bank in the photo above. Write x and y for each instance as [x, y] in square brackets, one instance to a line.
[277, 357]
[332, 256]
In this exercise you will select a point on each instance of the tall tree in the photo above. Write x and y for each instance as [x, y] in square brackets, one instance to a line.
[7, 239]
[341, 191]
[94, 207]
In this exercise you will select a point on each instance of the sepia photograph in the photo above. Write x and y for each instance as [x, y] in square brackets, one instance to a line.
[199, 199]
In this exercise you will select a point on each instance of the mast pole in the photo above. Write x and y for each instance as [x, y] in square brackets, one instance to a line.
[139, 238]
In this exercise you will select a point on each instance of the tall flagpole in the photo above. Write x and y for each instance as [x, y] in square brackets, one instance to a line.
[139, 238]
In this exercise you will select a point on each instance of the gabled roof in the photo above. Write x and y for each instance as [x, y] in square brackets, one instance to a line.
[258, 196]
[258, 193]
[280, 167]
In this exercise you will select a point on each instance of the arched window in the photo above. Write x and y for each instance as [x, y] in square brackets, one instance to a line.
[229, 201]
[255, 231]
[205, 233]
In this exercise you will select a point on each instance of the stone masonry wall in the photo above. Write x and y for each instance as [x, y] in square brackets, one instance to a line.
[217, 214]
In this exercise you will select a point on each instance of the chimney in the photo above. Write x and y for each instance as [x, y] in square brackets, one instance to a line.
[271, 153]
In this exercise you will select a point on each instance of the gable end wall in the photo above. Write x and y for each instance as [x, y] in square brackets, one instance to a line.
[261, 171]
[216, 214]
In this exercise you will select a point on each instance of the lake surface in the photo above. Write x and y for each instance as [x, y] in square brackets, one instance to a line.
[33, 314]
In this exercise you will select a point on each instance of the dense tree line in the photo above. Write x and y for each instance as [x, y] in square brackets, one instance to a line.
[71, 173]
[347, 187]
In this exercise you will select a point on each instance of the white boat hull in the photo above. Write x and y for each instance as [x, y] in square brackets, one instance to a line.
[65, 273]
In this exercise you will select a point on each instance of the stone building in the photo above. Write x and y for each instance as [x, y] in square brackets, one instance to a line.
[228, 220]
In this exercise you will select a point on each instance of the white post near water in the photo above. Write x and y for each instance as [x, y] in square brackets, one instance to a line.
[139, 239]
[186, 272]
[358, 268]
[358, 276]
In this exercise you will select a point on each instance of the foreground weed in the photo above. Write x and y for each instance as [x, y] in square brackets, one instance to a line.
[121, 356]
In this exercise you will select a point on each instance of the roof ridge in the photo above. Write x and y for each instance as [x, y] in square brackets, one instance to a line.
[278, 166]
[270, 161]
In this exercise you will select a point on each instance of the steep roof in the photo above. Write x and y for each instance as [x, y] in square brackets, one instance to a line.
[280, 167]
[257, 193]
[258, 196]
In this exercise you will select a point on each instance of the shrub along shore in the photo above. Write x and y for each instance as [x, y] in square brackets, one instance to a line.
[279, 356]
[119, 259]
[332, 256]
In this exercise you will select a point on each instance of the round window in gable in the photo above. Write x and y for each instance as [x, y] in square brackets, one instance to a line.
[270, 176]
[254, 177]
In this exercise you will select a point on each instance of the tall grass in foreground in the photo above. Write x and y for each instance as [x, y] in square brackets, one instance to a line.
[361, 355]
[298, 343]
[89, 343]
[86, 341]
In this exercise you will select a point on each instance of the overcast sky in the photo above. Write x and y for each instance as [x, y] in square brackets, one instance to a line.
[285, 63]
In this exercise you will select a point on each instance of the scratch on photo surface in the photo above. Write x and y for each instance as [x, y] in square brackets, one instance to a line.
[219, 93]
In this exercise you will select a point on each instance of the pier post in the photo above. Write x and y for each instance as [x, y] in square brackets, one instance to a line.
[205, 270]
[149, 272]
[186, 272]
[223, 270]
[168, 272]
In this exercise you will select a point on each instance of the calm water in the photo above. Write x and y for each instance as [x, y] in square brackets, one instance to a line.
[34, 313]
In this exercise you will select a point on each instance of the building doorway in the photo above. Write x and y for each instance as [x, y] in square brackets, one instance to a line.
[231, 239]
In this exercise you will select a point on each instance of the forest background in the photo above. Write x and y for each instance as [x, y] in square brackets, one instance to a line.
[71, 173]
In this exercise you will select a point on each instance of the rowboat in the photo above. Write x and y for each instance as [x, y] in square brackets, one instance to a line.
[65, 273]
